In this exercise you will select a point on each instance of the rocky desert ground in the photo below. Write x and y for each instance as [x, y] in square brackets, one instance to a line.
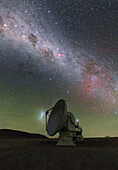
[22, 151]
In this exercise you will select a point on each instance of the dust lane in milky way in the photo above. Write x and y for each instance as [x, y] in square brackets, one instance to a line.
[59, 50]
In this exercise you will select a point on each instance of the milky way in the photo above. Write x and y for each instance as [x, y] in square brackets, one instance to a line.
[59, 50]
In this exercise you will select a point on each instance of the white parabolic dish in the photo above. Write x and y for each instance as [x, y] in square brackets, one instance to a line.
[57, 118]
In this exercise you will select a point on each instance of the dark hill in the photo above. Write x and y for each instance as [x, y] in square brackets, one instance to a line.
[8, 133]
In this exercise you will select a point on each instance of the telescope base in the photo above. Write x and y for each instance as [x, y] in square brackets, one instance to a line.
[66, 138]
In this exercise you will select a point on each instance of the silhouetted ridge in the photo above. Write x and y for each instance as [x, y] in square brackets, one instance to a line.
[8, 133]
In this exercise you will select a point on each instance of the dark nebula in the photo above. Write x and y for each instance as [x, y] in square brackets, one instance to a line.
[59, 49]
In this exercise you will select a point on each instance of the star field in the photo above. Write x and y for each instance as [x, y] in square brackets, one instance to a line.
[59, 49]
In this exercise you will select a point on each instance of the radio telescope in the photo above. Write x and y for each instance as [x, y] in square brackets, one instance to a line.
[59, 120]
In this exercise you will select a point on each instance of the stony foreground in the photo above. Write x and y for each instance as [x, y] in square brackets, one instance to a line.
[42, 154]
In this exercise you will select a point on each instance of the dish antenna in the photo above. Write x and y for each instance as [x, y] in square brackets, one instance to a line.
[63, 122]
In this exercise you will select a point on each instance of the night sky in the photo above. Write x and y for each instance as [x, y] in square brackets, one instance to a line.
[53, 49]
